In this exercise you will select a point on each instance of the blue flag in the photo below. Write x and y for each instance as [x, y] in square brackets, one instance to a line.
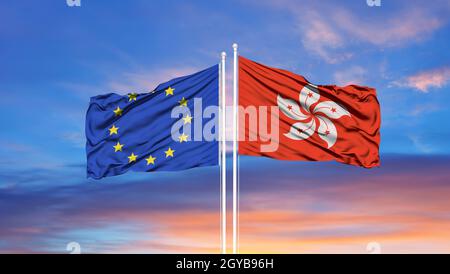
[167, 129]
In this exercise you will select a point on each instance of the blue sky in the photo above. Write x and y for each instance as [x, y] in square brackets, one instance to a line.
[54, 57]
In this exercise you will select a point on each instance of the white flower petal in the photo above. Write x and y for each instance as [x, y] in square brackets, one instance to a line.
[290, 108]
[331, 109]
[308, 96]
[327, 130]
[301, 131]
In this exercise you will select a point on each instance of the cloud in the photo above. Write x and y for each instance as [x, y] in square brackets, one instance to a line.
[82, 90]
[425, 80]
[330, 31]
[14, 146]
[405, 26]
[420, 144]
[321, 39]
[46, 217]
[353, 75]
[76, 138]
[424, 108]
[326, 208]
[146, 80]
[137, 80]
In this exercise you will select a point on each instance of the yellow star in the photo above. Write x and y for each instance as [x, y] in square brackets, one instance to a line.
[113, 130]
[169, 152]
[187, 119]
[118, 147]
[132, 97]
[132, 158]
[183, 102]
[118, 111]
[150, 160]
[169, 91]
[183, 138]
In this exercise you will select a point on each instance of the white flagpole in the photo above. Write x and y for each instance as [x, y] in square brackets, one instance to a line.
[223, 158]
[235, 137]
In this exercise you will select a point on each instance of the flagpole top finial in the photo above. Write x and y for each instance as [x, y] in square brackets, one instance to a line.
[223, 54]
[235, 46]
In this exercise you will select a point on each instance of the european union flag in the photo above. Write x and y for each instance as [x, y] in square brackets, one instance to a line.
[171, 128]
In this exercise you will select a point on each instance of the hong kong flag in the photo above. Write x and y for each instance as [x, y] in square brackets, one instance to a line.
[283, 116]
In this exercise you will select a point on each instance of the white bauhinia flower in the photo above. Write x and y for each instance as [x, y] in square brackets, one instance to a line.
[311, 120]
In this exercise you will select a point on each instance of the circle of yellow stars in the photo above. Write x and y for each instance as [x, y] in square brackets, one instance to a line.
[150, 160]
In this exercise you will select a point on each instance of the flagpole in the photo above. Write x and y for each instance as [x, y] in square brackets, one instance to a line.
[235, 147]
[223, 158]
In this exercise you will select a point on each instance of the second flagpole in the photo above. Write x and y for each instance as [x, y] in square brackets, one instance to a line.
[223, 158]
[235, 148]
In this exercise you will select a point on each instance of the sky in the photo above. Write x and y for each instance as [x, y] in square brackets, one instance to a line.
[55, 57]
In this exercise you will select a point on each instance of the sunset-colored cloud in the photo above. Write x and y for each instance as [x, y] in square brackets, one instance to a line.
[305, 208]
[405, 26]
[426, 80]
[321, 38]
[330, 31]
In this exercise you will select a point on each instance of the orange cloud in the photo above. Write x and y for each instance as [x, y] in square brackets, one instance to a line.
[401, 216]
[288, 208]
[423, 81]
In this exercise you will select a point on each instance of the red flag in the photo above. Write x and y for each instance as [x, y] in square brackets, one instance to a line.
[316, 123]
